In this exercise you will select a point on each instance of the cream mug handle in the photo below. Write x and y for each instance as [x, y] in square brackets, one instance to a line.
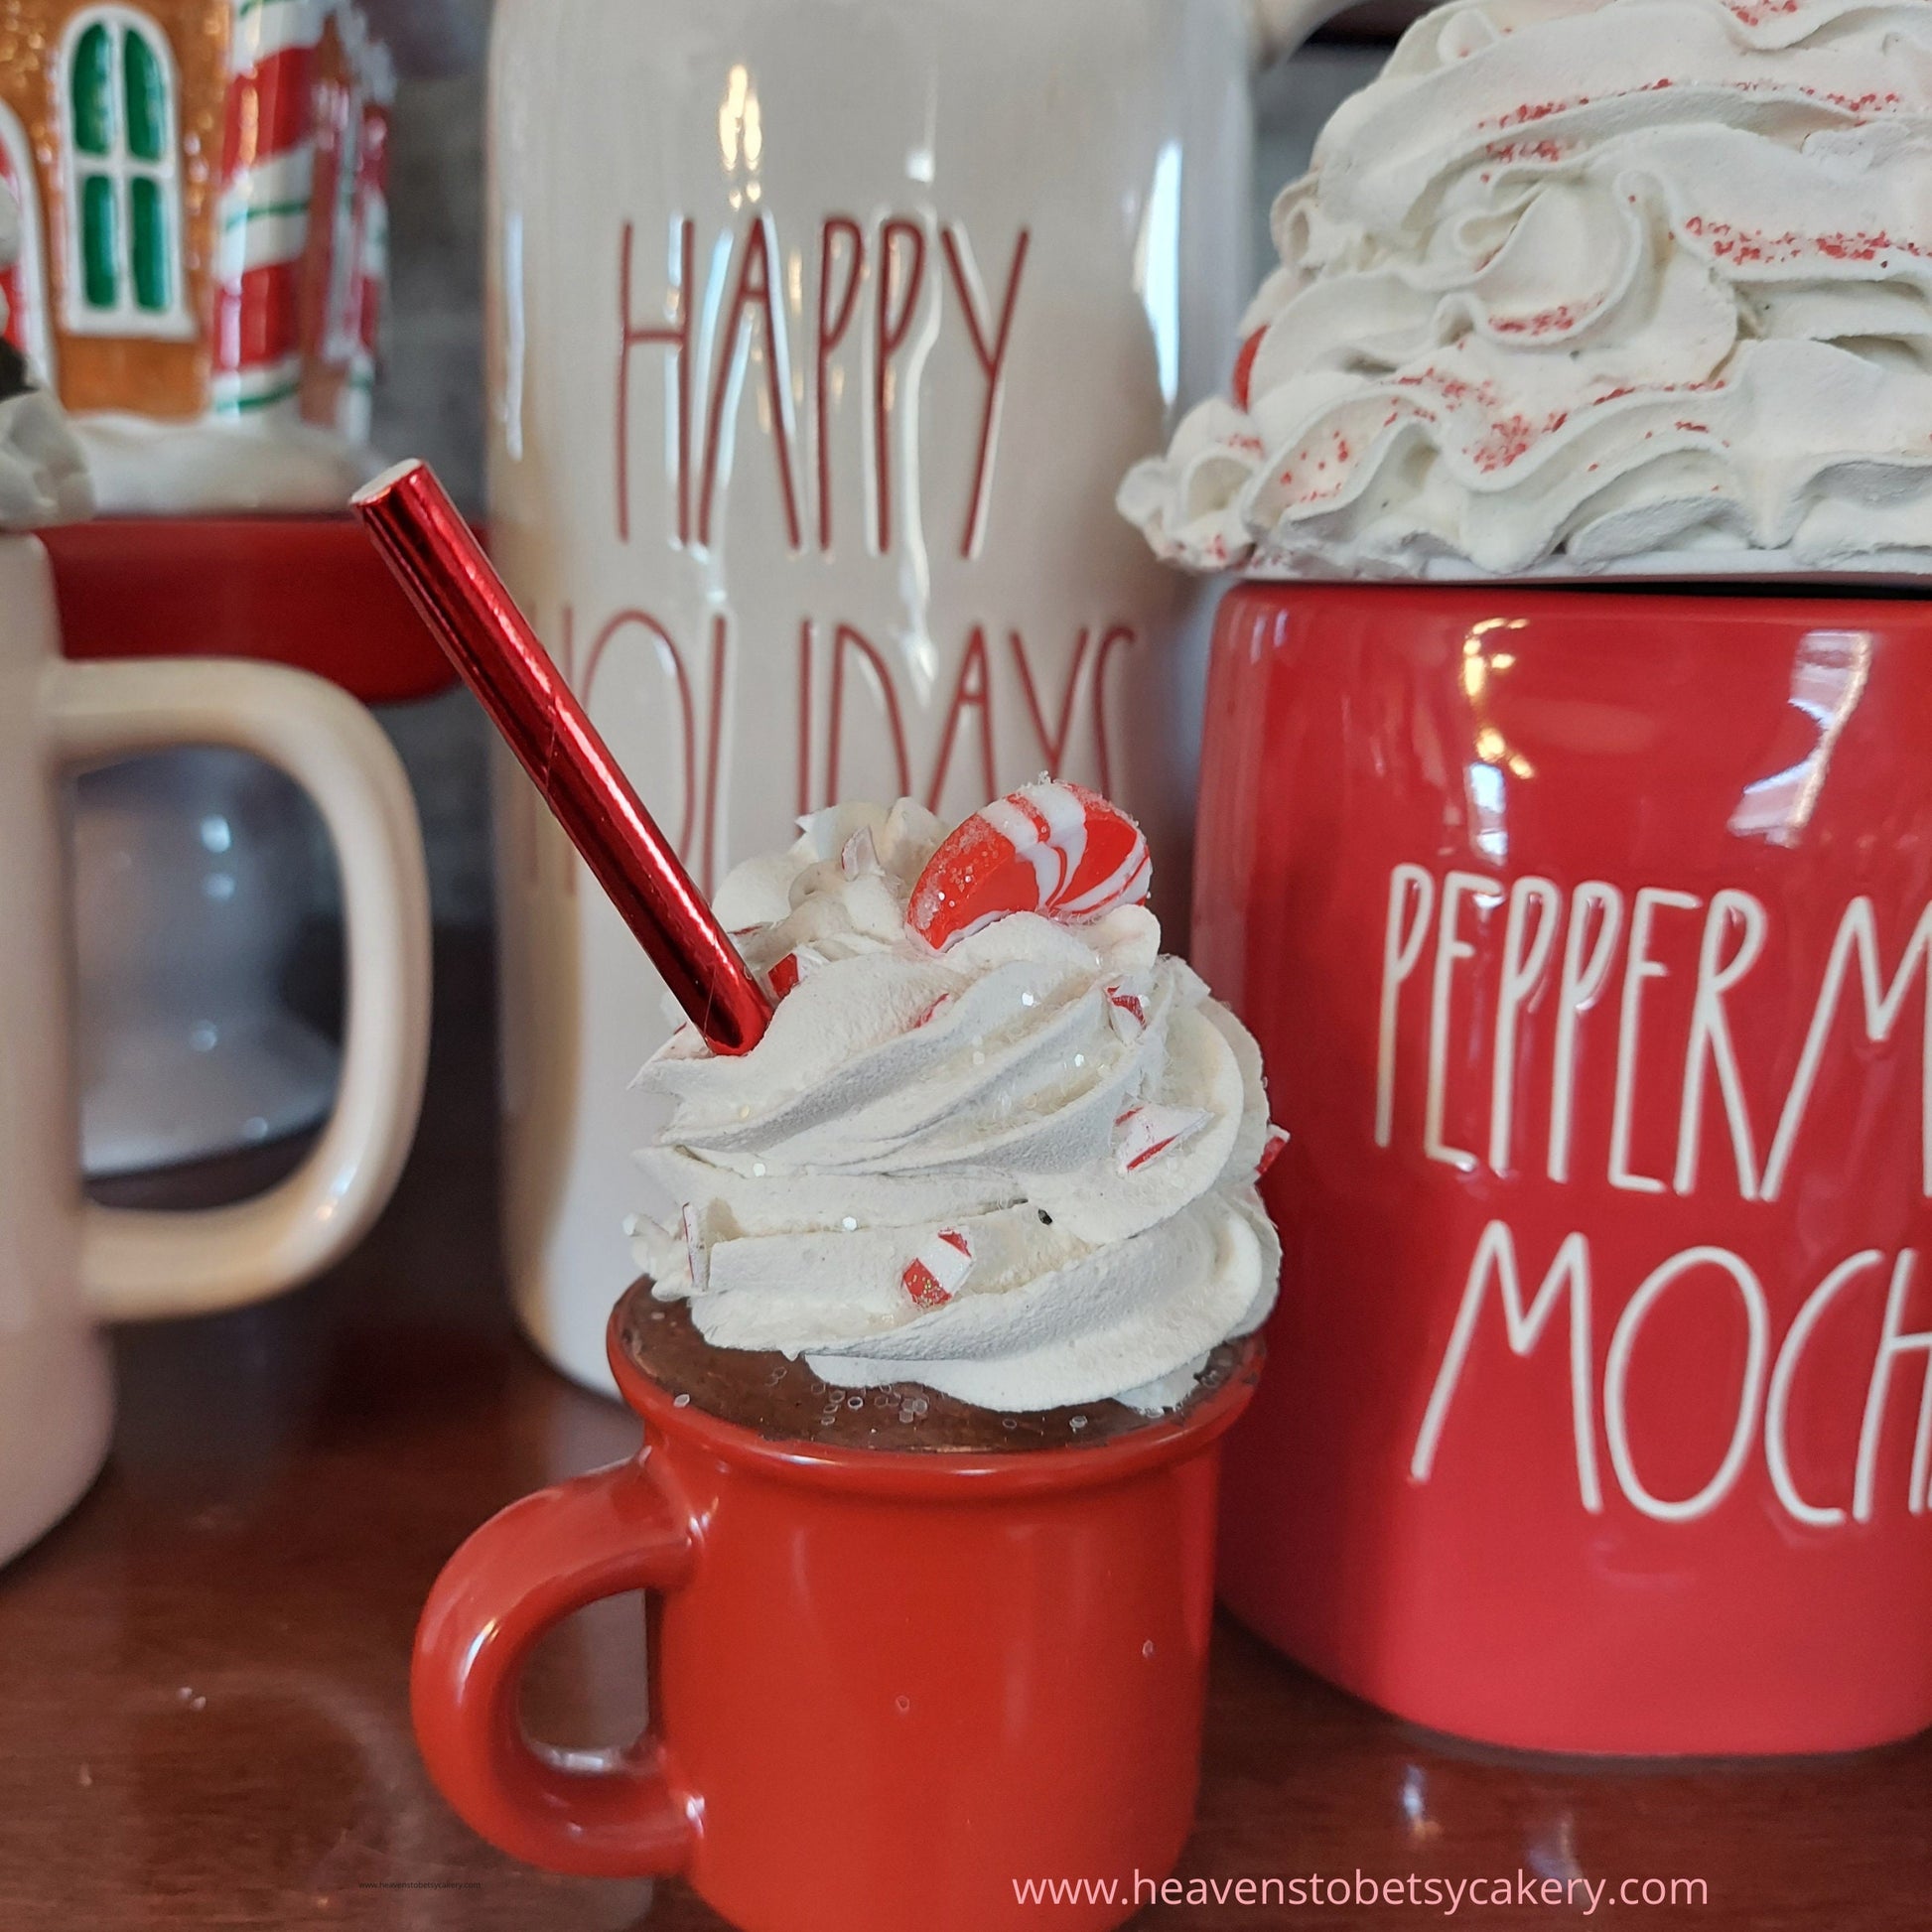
[1280, 27]
[144, 1265]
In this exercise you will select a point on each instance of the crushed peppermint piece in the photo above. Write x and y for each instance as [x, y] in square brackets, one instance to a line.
[938, 1271]
[1143, 1134]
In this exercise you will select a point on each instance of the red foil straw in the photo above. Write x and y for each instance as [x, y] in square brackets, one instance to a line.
[439, 562]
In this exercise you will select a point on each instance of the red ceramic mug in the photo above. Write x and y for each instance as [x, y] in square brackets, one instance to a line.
[884, 1686]
[1585, 935]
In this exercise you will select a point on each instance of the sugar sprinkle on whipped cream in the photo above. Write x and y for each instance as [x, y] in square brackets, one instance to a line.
[1019, 1168]
[1589, 279]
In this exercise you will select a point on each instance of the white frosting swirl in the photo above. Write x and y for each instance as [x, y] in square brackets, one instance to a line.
[42, 475]
[146, 466]
[1595, 279]
[907, 1104]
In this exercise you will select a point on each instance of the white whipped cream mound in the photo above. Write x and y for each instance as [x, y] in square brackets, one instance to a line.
[981, 1125]
[42, 475]
[1595, 279]
[256, 466]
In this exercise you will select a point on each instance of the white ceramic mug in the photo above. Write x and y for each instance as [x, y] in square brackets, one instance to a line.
[68, 1266]
[821, 334]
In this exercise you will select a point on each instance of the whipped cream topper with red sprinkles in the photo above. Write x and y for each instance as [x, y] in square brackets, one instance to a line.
[994, 1142]
[1591, 280]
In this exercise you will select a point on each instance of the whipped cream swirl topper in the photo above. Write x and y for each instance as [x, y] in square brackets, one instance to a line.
[1590, 278]
[43, 477]
[994, 1143]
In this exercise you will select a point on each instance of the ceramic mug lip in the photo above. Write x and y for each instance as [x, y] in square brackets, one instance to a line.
[936, 1476]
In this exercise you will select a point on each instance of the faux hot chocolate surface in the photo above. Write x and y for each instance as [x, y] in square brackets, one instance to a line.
[783, 1400]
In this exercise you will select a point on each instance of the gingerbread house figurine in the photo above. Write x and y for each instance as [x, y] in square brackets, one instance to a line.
[204, 225]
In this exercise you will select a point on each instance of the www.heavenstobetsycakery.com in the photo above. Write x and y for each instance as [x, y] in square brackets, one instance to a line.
[1447, 1898]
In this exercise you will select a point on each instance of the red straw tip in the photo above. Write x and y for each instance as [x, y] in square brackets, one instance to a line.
[378, 488]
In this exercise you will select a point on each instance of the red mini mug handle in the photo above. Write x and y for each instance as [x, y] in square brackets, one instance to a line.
[604, 1814]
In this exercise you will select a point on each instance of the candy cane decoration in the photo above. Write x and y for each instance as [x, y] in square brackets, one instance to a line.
[23, 255]
[267, 208]
[13, 204]
[268, 168]
[372, 234]
[1058, 850]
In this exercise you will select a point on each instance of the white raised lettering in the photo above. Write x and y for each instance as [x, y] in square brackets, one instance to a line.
[1525, 961]
[1449, 947]
[1402, 944]
[1637, 969]
[1496, 1255]
[1586, 971]
[1617, 1376]
[1710, 1042]
[1893, 1343]
[1859, 931]
[1777, 1404]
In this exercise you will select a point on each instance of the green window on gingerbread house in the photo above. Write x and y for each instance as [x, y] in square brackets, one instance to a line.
[125, 273]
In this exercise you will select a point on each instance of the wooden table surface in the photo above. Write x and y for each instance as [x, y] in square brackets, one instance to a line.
[202, 1672]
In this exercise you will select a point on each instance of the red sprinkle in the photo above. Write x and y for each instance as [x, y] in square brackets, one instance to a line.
[1754, 248]
[1244, 366]
[1512, 439]
[1531, 111]
[1549, 322]
[1547, 149]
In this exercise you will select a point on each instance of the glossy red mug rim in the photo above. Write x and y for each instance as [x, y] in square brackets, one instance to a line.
[1701, 596]
[943, 1475]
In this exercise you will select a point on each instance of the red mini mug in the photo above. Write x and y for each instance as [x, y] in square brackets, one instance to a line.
[887, 1688]
[1587, 938]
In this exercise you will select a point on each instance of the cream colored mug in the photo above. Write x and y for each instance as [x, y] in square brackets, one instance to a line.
[66, 1266]
[821, 335]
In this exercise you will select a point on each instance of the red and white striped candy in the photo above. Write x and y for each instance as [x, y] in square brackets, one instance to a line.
[1058, 850]
[1126, 1008]
[1143, 1134]
[937, 1272]
[799, 964]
